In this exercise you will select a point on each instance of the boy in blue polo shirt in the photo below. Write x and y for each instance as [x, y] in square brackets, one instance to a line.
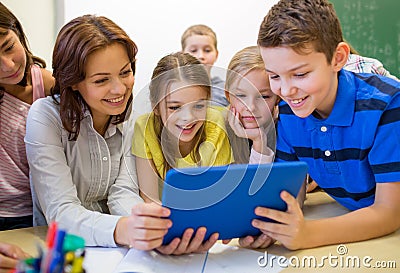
[346, 126]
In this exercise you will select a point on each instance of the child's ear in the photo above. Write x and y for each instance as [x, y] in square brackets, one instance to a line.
[227, 95]
[156, 110]
[340, 56]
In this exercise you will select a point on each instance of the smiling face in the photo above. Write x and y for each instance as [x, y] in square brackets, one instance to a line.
[108, 83]
[12, 58]
[183, 111]
[253, 99]
[307, 82]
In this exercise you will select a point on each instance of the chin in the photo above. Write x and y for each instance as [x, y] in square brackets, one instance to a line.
[186, 139]
[250, 126]
[302, 114]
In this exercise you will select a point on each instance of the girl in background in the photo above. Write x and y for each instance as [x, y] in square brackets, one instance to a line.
[23, 79]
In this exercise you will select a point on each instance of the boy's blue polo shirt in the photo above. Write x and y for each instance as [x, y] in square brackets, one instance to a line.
[357, 146]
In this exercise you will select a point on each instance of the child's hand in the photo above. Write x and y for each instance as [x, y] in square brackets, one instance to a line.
[261, 241]
[290, 229]
[145, 228]
[257, 135]
[238, 128]
[10, 254]
[187, 244]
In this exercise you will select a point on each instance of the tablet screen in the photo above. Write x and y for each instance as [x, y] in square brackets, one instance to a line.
[223, 198]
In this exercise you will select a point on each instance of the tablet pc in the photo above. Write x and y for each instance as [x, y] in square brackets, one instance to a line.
[223, 198]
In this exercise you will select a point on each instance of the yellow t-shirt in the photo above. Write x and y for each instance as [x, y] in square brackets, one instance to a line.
[214, 151]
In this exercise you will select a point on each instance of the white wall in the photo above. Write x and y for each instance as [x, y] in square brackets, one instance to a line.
[38, 20]
[156, 26]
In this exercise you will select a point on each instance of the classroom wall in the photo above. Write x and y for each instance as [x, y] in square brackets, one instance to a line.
[373, 29]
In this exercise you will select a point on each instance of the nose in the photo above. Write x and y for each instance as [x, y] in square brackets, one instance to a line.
[286, 88]
[251, 105]
[200, 55]
[6, 64]
[186, 113]
[118, 86]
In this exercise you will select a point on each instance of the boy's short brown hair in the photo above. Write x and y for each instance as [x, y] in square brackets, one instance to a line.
[198, 30]
[297, 24]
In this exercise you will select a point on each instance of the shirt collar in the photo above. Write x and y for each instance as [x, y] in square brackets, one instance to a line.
[112, 128]
[344, 108]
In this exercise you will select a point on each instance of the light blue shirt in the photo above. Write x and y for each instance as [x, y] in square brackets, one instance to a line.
[84, 185]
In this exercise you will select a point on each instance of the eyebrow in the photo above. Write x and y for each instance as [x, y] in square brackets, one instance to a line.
[104, 74]
[6, 43]
[240, 89]
[290, 70]
[177, 102]
[253, 87]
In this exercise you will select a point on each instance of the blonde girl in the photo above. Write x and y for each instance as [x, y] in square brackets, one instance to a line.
[252, 108]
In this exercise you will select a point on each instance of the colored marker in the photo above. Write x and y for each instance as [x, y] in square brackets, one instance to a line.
[57, 256]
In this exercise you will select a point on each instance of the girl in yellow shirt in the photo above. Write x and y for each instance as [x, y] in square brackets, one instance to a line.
[181, 131]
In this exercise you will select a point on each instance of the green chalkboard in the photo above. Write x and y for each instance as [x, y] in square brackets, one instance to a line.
[372, 27]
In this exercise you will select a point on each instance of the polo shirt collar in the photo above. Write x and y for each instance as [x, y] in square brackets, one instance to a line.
[344, 108]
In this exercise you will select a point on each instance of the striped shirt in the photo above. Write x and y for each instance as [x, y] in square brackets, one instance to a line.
[356, 146]
[15, 193]
[361, 64]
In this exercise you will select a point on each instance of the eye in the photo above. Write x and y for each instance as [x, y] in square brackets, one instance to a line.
[173, 108]
[193, 50]
[240, 95]
[199, 106]
[126, 73]
[273, 77]
[265, 97]
[300, 75]
[100, 81]
[9, 48]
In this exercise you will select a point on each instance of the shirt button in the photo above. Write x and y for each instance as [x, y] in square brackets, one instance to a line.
[324, 129]
[105, 158]
[327, 153]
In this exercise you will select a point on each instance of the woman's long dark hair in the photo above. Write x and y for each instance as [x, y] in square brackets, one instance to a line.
[75, 42]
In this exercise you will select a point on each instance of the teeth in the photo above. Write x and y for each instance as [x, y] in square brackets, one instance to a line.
[116, 99]
[186, 127]
[297, 101]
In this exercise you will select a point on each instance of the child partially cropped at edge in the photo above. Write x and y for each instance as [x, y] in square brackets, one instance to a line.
[344, 125]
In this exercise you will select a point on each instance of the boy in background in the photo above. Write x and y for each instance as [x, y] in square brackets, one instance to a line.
[346, 126]
[201, 42]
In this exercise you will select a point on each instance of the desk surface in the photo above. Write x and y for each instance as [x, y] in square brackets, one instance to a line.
[384, 251]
